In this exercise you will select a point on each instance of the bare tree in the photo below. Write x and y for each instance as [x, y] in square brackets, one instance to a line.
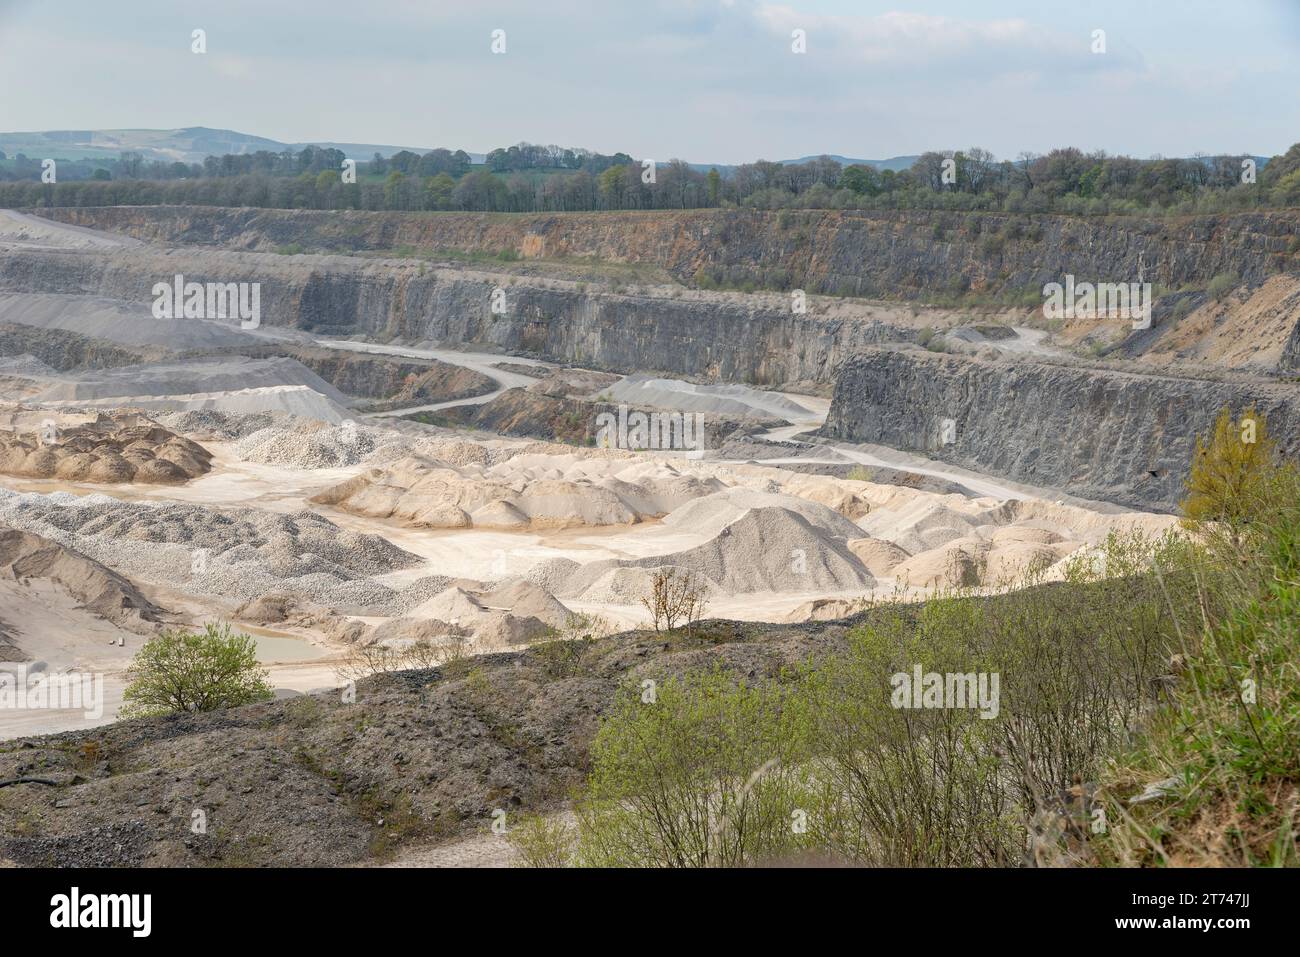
[675, 596]
[367, 660]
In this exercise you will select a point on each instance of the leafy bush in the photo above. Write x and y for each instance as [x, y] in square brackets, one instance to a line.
[675, 596]
[699, 775]
[887, 786]
[180, 671]
[1217, 774]
[419, 655]
[1230, 470]
[542, 842]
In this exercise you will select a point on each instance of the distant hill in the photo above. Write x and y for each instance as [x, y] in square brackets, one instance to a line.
[189, 145]
[193, 143]
[896, 163]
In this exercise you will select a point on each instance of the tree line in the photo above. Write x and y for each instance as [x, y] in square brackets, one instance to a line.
[525, 178]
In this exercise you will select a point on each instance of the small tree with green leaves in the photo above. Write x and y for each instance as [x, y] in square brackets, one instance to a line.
[1229, 469]
[185, 672]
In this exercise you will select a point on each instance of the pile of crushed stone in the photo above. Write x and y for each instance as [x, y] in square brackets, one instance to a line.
[117, 448]
[235, 553]
[215, 424]
[310, 445]
[307, 444]
[418, 592]
[531, 490]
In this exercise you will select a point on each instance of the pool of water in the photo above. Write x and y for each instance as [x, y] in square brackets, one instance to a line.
[273, 647]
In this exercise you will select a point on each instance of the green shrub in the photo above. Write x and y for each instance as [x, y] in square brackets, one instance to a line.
[180, 671]
[698, 776]
[1230, 470]
[1223, 751]
[542, 842]
[888, 786]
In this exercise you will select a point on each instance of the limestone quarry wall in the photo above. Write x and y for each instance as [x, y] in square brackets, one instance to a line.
[1115, 435]
[1104, 434]
[894, 253]
[738, 338]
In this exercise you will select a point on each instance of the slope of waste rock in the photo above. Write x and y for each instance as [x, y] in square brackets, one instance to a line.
[238, 553]
[102, 591]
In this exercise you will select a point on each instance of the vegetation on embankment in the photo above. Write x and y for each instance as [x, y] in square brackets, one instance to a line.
[1150, 716]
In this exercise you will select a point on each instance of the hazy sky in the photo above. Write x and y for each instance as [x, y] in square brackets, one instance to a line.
[708, 81]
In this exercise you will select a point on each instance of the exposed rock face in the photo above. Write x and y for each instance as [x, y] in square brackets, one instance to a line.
[534, 414]
[398, 381]
[738, 338]
[1104, 434]
[63, 350]
[743, 339]
[122, 447]
[893, 253]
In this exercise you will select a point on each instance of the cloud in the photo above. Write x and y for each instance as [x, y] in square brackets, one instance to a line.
[704, 79]
[939, 44]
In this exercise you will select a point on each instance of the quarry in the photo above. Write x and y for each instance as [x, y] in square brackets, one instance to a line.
[380, 461]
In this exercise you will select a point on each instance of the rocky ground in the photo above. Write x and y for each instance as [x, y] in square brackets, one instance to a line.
[420, 758]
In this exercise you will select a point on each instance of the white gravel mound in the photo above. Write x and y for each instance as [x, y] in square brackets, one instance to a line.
[775, 548]
[509, 612]
[713, 512]
[880, 557]
[528, 490]
[296, 400]
[767, 547]
[237, 553]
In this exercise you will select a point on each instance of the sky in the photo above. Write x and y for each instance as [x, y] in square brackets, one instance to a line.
[708, 81]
